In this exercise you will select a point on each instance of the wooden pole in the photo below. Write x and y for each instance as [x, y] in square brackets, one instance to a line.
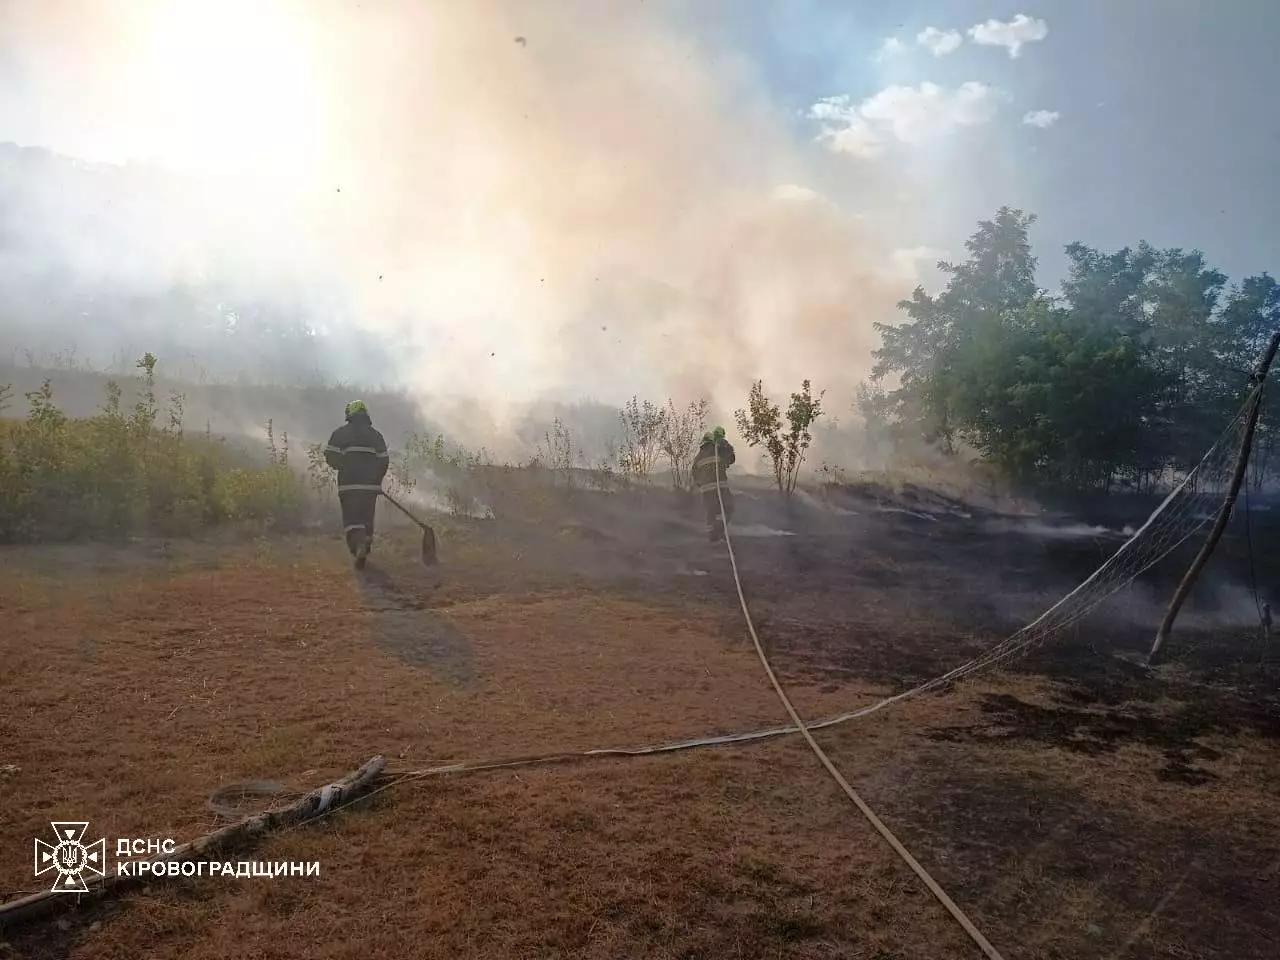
[1228, 502]
[315, 803]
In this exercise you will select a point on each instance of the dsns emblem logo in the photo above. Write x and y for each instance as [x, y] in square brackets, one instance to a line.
[71, 857]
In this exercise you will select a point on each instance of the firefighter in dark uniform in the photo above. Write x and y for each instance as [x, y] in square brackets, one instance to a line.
[710, 476]
[359, 454]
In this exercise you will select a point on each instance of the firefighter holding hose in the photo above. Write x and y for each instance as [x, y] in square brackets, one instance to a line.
[359, 454]
[710, 476]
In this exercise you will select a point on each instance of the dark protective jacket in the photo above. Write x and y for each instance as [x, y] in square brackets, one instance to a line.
[359, 454]
[705, 475]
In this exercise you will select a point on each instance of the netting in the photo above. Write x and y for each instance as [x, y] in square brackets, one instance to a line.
[1191, 504]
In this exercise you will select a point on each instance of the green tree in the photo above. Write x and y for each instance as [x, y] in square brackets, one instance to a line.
[931, 352]
[1131, 372]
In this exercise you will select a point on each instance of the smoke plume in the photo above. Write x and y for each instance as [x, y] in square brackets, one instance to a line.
[503, 201]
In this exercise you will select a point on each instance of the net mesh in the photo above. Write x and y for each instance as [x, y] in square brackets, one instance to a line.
[1189, 506]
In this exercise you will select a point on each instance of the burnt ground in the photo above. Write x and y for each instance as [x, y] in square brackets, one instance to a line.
[1076, 805]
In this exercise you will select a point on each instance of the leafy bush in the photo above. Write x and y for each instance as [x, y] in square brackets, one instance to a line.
[321, 478]
[117, 473]
[273, 494]
[761, 424]
[643, 425]
[458, 475]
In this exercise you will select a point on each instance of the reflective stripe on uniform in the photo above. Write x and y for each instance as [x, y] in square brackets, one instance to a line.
[708, 463]
[353, 526]
[385, 455]
[356, 450]
[330, 448]
[371, 487]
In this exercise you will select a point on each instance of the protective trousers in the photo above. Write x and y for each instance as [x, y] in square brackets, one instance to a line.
[358, 507]
[712, 504]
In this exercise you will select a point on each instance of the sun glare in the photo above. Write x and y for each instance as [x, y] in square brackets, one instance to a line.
[230, 87]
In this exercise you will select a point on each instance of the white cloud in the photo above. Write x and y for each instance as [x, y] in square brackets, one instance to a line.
[906, 114]
[855, 137]
[844, 130]
[939, 42]
[891, 47]
[796, 193]
[830, 108]
[1041, 118]
[916, 114]
[1011, 35]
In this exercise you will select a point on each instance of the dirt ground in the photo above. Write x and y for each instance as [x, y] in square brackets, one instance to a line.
[1077, 806]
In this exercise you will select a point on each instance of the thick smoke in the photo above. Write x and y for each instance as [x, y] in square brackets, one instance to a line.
[507, 202]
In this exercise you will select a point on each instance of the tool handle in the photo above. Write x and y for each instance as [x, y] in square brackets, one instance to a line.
[396, 503]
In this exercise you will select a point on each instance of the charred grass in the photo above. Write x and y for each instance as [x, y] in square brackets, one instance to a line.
[1080, 807]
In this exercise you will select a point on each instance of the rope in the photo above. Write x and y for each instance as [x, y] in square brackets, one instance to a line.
[974, 933]
[1248, 537]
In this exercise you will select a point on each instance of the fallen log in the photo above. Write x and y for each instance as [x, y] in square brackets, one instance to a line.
[316, 803]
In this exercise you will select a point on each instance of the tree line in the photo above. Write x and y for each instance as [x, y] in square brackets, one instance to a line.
[1119, 382]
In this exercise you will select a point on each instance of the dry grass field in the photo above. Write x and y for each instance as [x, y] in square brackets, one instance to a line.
[1076, 806]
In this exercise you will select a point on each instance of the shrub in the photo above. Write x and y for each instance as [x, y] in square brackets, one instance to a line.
[271, 494]
[115, 473]
[761, 424]
[643, 425]
[680, 432]
[556, 452]
[461, 477]
[601, 474]
[321, 478]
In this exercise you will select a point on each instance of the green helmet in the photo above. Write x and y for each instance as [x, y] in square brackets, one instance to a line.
[718, 433]
[356, 406]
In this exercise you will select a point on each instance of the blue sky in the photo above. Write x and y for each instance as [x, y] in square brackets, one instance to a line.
[1167, 127]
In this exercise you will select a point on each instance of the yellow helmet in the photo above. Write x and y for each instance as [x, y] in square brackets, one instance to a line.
[356, 406]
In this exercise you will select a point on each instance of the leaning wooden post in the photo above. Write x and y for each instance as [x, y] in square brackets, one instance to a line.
[1228, 502]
